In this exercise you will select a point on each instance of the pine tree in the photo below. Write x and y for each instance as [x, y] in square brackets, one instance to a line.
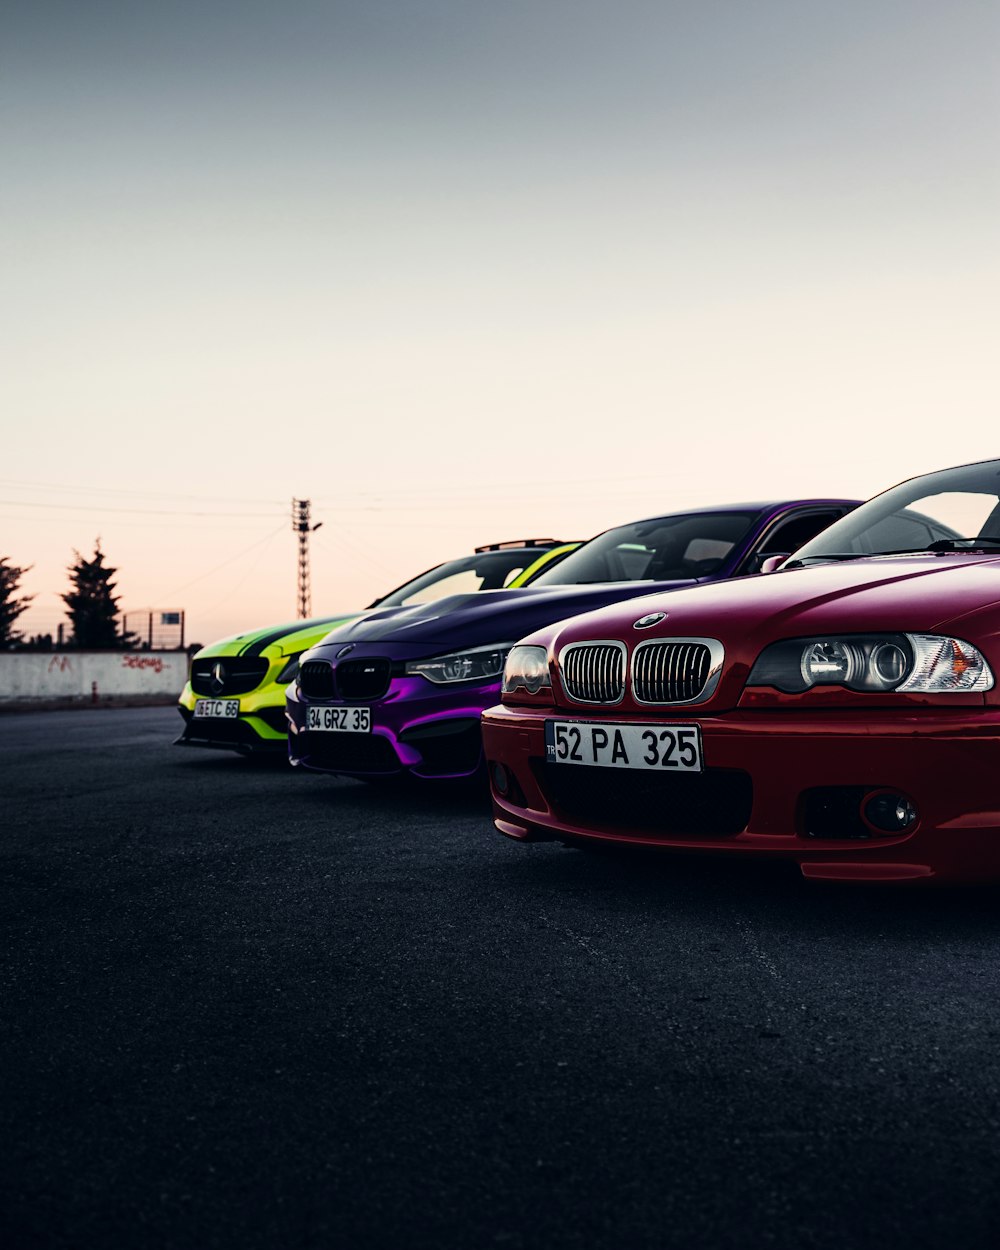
[11, 607]
[93, 608]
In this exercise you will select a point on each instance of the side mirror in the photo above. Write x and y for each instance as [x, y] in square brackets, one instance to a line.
[771, 564]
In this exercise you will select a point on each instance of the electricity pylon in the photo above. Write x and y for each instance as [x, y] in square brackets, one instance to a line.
[302, 528]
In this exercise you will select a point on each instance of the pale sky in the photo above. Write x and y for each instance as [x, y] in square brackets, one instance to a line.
[460, 271]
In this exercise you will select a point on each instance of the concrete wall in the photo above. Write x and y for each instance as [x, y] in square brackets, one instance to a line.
[91, 676]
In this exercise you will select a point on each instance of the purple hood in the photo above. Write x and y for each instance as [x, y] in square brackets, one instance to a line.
[483, 618]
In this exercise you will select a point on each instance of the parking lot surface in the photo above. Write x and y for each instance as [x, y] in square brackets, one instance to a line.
[244, 1007]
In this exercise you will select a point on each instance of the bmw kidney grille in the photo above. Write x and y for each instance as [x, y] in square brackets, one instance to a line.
[594, 672]
[663, 671]
[670, 672]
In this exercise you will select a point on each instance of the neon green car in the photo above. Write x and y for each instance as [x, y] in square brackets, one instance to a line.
[234, 698]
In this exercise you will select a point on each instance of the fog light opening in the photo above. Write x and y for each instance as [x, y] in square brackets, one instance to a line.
[501, 779]
[888, 812]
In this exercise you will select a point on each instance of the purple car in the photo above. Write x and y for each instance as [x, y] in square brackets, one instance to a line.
[400, 691]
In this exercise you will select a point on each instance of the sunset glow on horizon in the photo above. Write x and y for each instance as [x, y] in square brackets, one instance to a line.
[460, 273]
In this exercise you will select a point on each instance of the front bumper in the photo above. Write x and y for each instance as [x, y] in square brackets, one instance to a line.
[418, 728]
[250, 733]
[786, 784]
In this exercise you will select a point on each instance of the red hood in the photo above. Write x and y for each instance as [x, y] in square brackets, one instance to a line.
[915, 594]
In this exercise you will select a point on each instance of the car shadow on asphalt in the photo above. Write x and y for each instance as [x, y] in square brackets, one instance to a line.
[644, 878]
[400, 798]
[771, 891]
[388, 796]
[198, 758]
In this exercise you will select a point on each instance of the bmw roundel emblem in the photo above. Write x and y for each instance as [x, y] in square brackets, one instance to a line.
[346, 650]
[653, 618]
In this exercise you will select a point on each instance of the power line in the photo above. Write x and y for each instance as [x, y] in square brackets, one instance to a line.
[207, 612]
[403, 500]
[171, 525]
[79, 489]
[72, 507]
[239, 555]
[360, 557]
[501, 489]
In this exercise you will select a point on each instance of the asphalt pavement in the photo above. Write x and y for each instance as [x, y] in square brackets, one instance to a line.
[246, 1007]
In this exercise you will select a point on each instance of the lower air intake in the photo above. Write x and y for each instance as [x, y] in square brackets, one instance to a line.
[712, 804]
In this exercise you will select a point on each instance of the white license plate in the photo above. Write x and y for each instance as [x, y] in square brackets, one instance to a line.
[665, 748]
[342, 720]
[227, 709]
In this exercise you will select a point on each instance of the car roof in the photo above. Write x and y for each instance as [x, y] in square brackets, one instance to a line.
[773, 505]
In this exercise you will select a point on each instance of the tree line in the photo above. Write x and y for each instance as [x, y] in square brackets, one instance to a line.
[91, 605]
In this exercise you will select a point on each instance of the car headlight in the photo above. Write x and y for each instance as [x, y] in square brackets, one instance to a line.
[290, 671]
[477, 665]
[527, 668]
[909, 663]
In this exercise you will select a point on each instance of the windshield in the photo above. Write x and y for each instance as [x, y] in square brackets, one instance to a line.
[486, 570]
[669, 548]
[938, 511]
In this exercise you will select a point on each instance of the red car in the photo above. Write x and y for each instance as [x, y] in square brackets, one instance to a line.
[842, 713]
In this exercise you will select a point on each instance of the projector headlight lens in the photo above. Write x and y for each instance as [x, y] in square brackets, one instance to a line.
[527, 669]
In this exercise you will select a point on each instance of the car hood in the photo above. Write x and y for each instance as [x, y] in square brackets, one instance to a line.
[914, 594]
[283, 639]
[483, 618]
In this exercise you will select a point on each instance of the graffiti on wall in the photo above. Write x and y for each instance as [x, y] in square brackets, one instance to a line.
[143, 661]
